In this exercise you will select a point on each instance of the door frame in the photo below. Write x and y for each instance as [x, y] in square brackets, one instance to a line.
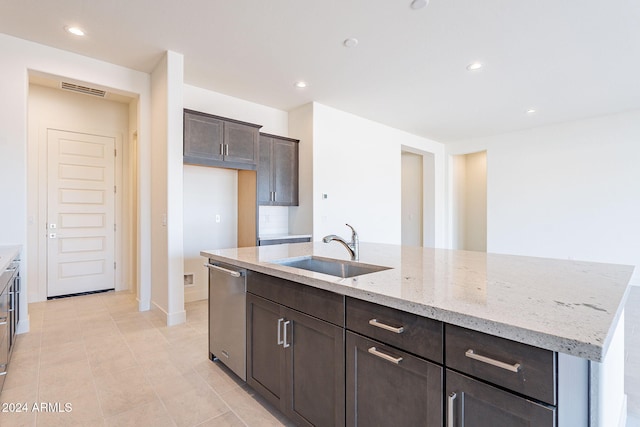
[41, 217]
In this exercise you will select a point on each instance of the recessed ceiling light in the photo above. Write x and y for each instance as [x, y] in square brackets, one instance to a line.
[76, 31]
[419, 4]
[301, 84]
[531, 111]
[350, 42]
[474, 66]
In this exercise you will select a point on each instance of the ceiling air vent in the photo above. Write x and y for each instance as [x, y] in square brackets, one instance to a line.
[83, 89]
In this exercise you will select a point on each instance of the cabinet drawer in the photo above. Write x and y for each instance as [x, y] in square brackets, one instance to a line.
[406, 331]
[522, 368]
[319, 303]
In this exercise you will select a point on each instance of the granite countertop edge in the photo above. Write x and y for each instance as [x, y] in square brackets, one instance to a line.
[594, 351]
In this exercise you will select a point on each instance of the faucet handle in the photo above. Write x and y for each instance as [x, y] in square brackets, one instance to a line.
[354, 233]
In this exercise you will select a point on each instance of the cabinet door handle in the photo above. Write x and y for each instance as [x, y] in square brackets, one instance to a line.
[226, 149]
[280, 320]
[493, 362]
[222, 149]
[377, 324]
[385, 356]
[284, 326]
[450, 409]
[274, 196]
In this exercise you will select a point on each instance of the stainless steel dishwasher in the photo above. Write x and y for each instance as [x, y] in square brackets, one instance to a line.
[227, 316]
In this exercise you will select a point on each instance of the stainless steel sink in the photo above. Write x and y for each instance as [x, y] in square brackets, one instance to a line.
[332, 267]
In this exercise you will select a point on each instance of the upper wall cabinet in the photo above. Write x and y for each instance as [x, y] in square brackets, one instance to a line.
[217, 141]
[278, 171]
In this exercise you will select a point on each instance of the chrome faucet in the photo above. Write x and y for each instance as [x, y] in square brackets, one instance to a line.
[353, 247]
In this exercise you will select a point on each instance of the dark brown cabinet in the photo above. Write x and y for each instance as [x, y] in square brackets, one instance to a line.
[278, 171]
[472, 403]
[217, 141]
[389, 379]
[525, 375]
[328, 360]
[389, 387]
[294, 360]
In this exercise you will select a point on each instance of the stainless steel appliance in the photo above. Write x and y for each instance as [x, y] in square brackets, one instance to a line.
[9, 291]
[227, 316]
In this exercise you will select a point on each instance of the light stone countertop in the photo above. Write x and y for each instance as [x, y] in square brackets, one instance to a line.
[571, 307]
[7, 254]
[283, 236]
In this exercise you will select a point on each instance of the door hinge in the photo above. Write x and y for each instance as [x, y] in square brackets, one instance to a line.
[114, 265]
[114, 227]
[115, 152]
[114, 189]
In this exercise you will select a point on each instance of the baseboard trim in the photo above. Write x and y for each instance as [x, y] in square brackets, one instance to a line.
[171, 319]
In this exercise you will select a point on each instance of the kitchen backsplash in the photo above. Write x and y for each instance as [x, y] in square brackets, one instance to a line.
[273, 220]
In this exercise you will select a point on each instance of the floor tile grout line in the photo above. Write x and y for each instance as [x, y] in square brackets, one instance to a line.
[222, 399]
[146, 378]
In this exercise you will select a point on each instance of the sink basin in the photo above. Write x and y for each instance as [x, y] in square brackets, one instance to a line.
[332, 267]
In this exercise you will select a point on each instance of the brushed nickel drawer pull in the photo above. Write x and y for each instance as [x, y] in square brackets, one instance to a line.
[376, 323]
[450, 409]
[473, 355]
[280, 320]
[385, 356]
[285, 344]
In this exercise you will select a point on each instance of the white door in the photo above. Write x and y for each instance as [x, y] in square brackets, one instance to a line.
[80, 212]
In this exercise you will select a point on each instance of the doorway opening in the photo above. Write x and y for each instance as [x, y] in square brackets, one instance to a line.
[418, 198]
[80, 170]
[469, 202]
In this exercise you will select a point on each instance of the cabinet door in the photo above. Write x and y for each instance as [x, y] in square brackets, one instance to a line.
[203, 138]
[241, 143]
[315, 371]
[265, 357]
[285, 172]
[471, 403]
[388, 387]
[264, 176]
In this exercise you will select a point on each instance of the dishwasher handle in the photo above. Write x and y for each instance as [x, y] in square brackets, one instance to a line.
[226, 270]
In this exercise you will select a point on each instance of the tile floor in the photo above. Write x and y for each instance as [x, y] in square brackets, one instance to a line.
[120, 367]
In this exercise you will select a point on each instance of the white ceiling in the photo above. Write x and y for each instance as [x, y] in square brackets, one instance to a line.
[568, 59]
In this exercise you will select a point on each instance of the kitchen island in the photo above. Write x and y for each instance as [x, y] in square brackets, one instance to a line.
[572, 309]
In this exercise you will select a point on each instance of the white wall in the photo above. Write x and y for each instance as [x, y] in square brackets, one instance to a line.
[18, 57]
[53, 108]
[207, 192]
[357, 162]
[167, 292]
[565, 191]
[301, 127]
[211, 191]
